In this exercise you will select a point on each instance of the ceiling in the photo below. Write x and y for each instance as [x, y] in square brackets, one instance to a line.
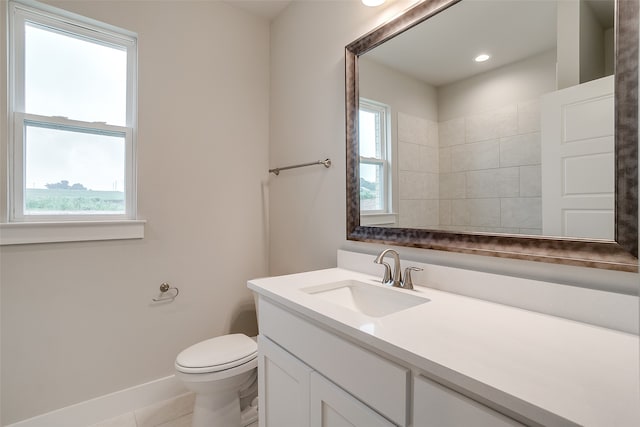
[268, 9]
[443, 51]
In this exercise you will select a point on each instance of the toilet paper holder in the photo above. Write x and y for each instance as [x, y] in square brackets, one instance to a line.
[166, 293]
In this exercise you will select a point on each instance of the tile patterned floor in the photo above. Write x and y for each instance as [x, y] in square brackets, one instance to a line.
[174, 412]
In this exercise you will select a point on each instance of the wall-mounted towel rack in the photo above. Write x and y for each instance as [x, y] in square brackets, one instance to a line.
[325, 162]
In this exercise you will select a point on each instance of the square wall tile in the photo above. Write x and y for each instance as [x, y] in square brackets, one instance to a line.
[521, 212]
[492, 124]
[459, 212]
[428, 160]
[418, 213]
[484, 212]
[444, 155]
[408, 157]
[410, 185]
[432, 186]
[480, 127]
[412, 129]
[451, 132]
[418, 185]
[506, 119]
[501, 182]
[530, 181]
[445, 212]
[476, 156]
[433, 139]
[529, 116]
[520, 150]
[453, 185]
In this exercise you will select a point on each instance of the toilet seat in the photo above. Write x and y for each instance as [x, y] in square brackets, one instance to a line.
[217, 354]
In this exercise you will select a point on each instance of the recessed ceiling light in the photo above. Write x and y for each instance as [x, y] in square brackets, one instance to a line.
[372, 3]
[482, 58]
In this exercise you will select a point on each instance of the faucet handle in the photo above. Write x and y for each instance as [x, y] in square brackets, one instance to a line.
[408, 282]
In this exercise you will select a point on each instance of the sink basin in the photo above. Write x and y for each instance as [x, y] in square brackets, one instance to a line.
[370, 300]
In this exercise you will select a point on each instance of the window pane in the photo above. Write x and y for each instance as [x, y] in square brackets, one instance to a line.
[68, 172]
[369, 127]
[371, 187]
[74, 78]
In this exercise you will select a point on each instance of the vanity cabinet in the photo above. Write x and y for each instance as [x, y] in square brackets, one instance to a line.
[454, 361]
[371, 381]
[333, 407]
[284, 386]
[309, 376]
[437, 406]
[293, 394]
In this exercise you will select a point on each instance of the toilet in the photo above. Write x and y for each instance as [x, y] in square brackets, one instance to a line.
[222, 372]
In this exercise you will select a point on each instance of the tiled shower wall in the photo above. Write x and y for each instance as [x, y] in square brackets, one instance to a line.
[475, 173]
[418, 178]
[490, 171]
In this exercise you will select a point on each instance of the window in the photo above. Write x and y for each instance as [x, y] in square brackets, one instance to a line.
[374, 157]
[72, 110]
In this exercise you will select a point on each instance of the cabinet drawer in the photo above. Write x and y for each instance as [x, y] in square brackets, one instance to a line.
[437, 406]
[379, 383]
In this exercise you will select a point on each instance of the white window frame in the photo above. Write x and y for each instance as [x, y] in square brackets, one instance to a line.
[18, 228]
[384, 113]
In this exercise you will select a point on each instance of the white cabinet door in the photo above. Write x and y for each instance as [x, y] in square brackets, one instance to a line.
[437, 406]
[333, 407]
[283, 387]
[372, 379]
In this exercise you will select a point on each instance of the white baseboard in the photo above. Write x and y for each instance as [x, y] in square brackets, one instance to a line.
[111, 405]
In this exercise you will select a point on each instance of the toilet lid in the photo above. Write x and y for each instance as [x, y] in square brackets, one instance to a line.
[217, 354]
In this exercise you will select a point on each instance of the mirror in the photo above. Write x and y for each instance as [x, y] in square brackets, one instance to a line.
[520, 155]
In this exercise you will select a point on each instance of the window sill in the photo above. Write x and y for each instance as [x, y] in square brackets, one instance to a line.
[20, 233]
[389, 219]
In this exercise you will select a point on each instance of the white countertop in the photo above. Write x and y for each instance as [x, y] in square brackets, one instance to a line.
[551, 370]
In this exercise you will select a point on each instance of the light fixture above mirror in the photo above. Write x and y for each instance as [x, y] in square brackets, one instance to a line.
[372, 3]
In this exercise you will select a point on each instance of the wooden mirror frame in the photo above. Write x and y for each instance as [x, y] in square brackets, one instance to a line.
[620, 254]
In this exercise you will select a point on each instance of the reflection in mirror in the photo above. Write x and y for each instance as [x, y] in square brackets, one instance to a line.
[521, 142]
[457, 159]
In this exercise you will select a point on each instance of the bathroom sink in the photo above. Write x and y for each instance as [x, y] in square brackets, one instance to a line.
[370, 300]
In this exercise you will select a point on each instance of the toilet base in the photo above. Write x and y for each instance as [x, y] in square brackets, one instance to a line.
[249, 414]
[217, 410]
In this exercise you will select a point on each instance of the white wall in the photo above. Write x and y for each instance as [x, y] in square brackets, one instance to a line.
[490, 148]
[518, 82]
[414, 135]
[307, 122]
[401, 91]
[592, 49]
[568, 13]
[76, 317]
[307, 206]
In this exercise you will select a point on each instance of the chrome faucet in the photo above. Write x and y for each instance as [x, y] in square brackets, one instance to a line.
[395, 280]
